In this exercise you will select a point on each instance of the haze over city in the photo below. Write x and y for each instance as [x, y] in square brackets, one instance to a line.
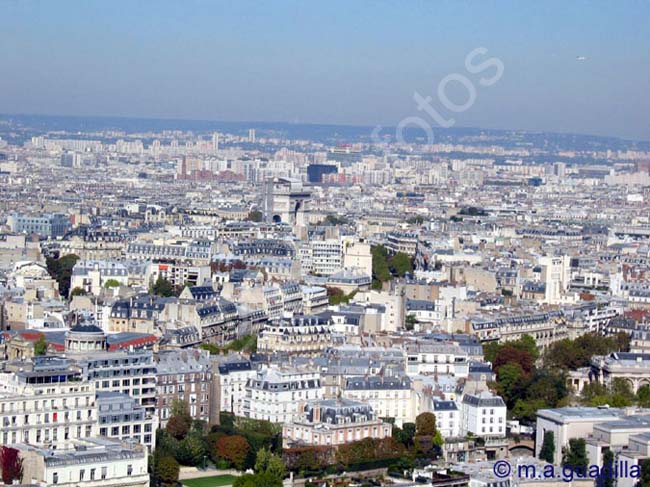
[324, 243]
[580, 67]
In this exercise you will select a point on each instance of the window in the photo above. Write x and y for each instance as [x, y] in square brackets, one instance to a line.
[55, 478]
[129, 470]
[82, 474]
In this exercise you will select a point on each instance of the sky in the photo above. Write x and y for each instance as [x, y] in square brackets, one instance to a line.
[568, 66]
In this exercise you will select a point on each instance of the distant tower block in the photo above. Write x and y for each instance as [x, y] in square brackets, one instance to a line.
[286, 201]
[215, 142]
[251, 136]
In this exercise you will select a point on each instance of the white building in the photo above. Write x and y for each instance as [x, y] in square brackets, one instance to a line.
[92, 275]
[357, 255]
[447, 418]
[93, 462]
[570, 422]
[121, 417]
[46, 403]
[556, 276]
[277, 394]
[389, 397]
[483, 414]
[232, 373]
[314, 299]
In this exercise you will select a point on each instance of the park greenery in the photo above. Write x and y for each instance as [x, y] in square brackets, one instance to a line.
[61, 271]
[386, 267]
[238, 443]
[247, 344]
[528, 381]
[162, 287]
[334, 220]
[338, 296]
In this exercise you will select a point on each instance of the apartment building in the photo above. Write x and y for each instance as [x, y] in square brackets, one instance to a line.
[186, 376]
[276, 393]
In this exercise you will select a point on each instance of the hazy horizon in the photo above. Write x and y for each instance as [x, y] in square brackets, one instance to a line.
[577, 68]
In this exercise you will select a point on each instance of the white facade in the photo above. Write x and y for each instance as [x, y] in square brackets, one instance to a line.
[483, 415]
[48, 413]
[447, 418]
[276, 394]
[94, 462]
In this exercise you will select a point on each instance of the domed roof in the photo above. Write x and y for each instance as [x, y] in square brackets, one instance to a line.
[86, 328]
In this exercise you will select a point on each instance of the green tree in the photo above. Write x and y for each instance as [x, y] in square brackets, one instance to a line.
[401, 264]
[380, 270]
[162, 287]
[61, 271]
[575, 454]
[77, 292]
[111, 283]
[410, 321]
[526, 409]
[167, 470]
[336, 296]
[511, 380]
[415, 220]
[191, 450]
[40, 346]
[547, 452]
[405, 434]
[643, 396]
[255, 216]
[257, 480]
[268, 462]
[608, 462]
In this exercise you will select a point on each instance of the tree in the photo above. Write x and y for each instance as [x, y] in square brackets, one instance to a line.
[415, 220]
[511, 379]
[177, 427]
[511, 354]
[401, 264]
[643, 396]
[233, 448]
[111, 283]
[337, 296]
[167, 470]
[410, 321]
[268, 462]
[191, 450]
[425, 424]
[608, 464]
[77, 292]
[162, 287]
[380, 270]
[526, 409]
[40, 346]
[573, 354]
[575, 454]
[255, 216]
[11, 465]
[547, 452]
[405, 435]
[61, 271]
[257, 480]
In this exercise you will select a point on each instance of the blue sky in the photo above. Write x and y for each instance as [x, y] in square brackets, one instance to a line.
[334, 61]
